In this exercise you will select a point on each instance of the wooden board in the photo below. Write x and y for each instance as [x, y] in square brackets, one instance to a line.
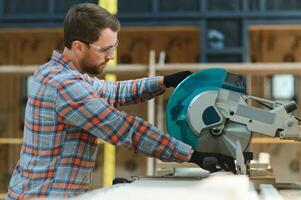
[29, 46]
[275, 45]
[181, 44]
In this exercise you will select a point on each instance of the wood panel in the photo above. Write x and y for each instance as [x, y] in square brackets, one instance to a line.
[29, 46]
[3, 105]
[181, 44]
[275, 45]
[34, 46]
[7, 164]
[10, 106]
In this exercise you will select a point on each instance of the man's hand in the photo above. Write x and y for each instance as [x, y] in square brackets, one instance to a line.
[209, 161]
[173, 80]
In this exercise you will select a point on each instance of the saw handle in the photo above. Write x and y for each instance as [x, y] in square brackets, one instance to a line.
[173, 80]
[209, 161]
[290, 107]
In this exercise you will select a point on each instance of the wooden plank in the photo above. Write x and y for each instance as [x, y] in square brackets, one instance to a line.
[150, 170]
[270, 140]
[280, 44]
[259, 165]
[255, 46]
[3, 105]
[29, 46]
[5, 51]
[274, 27]
[263, 69]
[29, 69]
[2, 195]
[157, 29]
[11, 140]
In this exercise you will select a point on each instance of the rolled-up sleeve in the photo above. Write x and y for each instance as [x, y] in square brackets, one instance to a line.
[78, 103]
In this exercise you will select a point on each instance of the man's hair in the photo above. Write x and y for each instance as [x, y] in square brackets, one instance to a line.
[85, 22]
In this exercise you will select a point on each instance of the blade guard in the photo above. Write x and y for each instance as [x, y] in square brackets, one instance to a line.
[211, 79]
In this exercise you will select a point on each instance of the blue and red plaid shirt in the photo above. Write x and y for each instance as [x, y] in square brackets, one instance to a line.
[65, 114]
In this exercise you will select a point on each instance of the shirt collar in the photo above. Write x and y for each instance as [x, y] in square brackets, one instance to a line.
[63, 59]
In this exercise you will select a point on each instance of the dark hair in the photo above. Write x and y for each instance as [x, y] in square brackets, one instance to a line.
[85, 22]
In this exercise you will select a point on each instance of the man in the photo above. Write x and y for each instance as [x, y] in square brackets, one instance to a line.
[67, 110]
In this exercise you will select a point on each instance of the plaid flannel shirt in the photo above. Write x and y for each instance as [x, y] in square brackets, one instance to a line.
[65, 113]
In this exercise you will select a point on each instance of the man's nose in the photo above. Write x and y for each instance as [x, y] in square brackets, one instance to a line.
[111, 55]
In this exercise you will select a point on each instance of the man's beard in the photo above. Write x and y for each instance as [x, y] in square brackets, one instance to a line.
[93, 70]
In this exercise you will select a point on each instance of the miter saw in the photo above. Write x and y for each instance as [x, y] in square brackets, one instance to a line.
[209, 110]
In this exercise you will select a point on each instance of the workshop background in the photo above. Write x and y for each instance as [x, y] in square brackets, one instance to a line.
[180, 33]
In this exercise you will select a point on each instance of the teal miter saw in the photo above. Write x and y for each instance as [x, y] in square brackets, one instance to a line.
[209, 110]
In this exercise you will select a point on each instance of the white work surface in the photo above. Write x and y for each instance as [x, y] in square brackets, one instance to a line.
[226, 187]
[290, 194]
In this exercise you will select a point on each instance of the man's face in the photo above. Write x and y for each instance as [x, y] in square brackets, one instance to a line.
[98, 53]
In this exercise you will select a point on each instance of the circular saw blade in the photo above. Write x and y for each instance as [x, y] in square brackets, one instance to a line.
[179, 101]
[225, 143]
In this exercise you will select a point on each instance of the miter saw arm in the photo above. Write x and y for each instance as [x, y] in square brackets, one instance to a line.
[276, 122]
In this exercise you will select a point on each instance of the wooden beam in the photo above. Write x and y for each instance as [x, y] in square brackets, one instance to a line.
[261, 69]
[157, 29]
[11, 140]
[286, 27]
[243, 68]
[29, 69]
[270, 140]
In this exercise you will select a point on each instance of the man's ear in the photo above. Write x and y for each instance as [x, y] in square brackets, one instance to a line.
[78, 47]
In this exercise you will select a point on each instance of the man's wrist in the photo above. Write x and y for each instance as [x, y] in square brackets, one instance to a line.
[161, 82]
[191, 152]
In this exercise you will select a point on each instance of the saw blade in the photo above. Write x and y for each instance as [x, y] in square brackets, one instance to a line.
[179, 101]
[226, 142]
